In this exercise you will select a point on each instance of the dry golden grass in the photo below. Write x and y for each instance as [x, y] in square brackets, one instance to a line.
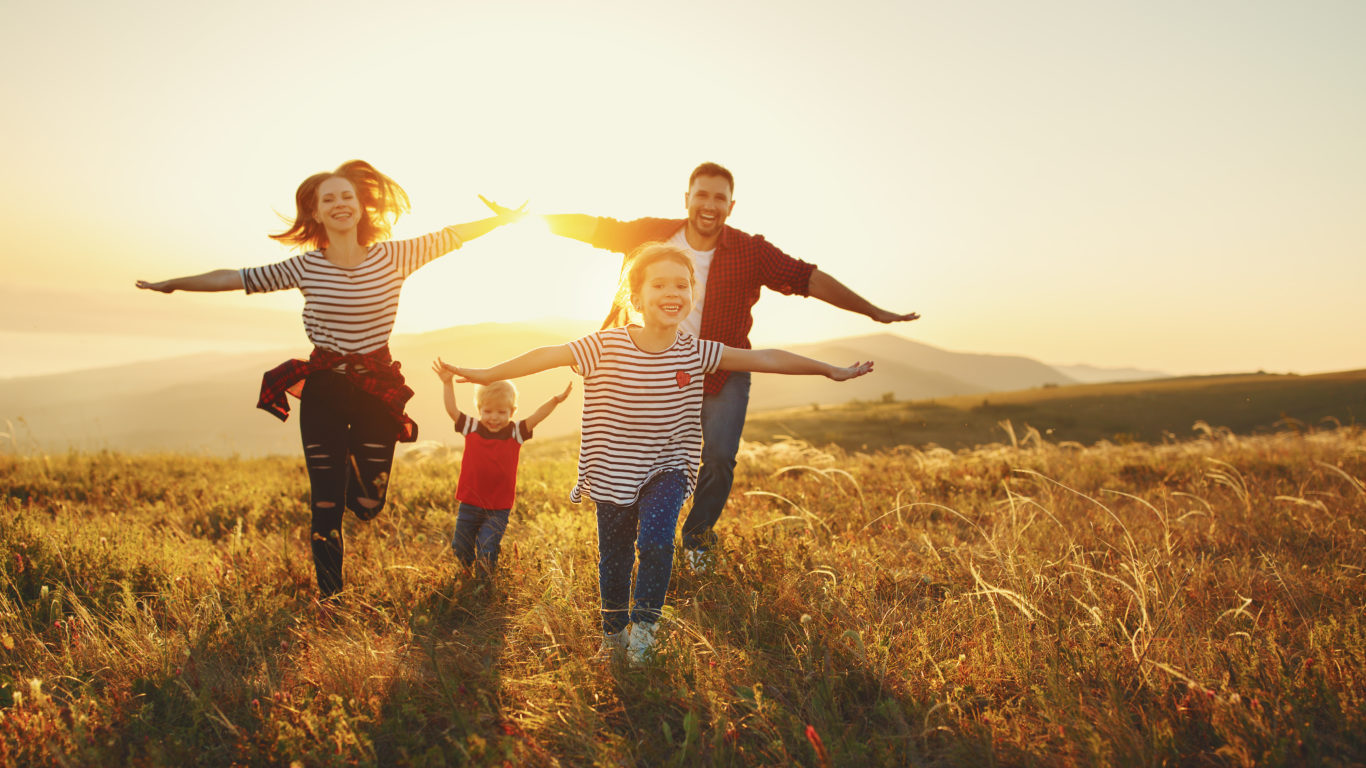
[1196, 603]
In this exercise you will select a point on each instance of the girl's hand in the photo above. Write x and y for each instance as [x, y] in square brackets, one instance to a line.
[852, 372]
[439, 369]
[162, 287]
[567, 389]
[469, 375]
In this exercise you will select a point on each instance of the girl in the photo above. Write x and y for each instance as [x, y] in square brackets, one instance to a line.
[642, 431]
[351, 391]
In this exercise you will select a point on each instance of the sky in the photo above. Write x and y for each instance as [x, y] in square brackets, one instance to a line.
[1172, 186]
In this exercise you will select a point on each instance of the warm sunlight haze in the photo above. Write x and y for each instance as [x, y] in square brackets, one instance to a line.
[1061, 462]
[1033, 180]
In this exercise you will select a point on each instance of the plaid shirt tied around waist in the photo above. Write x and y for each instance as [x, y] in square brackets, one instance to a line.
[375, 373]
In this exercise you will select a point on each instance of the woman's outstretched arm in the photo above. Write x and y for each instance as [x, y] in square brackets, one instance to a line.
[217, 280]
[472, 229]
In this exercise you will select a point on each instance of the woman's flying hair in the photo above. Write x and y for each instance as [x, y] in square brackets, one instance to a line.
[381, 199]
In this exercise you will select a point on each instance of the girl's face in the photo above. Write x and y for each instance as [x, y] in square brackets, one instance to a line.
[339, 208]
[665, 295]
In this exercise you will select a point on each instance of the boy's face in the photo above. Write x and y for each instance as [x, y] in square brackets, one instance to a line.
[496, 412]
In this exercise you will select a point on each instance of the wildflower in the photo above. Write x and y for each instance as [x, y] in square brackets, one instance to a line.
[815, 738]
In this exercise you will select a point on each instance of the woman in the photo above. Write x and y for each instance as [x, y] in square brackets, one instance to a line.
[351, 392]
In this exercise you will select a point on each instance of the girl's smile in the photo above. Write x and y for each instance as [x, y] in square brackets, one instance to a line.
[665, 296]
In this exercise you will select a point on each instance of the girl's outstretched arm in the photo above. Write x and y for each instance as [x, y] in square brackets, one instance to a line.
[535, 361]
[217, 280]
[782, 361]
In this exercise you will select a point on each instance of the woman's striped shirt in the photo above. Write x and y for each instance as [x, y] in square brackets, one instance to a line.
[351, 311]
[642, 412]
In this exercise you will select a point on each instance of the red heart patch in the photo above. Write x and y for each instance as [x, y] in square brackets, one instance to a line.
[683, 378]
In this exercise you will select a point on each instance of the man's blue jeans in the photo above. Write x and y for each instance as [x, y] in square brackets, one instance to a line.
[723, 419]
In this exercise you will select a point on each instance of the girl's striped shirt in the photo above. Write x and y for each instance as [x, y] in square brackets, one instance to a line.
[642, 412]
[351, 311]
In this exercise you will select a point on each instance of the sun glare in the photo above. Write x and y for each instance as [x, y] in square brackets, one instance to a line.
[519, 273]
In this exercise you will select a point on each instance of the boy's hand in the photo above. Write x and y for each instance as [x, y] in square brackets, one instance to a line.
[439, 368]
[560, 398]
[852, 372]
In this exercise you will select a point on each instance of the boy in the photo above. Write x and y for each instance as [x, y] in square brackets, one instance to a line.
[488, 468]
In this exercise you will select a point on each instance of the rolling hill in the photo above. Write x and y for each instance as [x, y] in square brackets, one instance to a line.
[205, 403]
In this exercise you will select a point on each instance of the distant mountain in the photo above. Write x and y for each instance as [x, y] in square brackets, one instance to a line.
[905, 369]
[1090, 374]
[207, 402]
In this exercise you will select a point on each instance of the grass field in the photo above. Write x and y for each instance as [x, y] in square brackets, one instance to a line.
[1157, 411]
[1190, 603]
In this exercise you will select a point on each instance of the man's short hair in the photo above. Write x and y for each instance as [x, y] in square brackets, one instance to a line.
[712, 169]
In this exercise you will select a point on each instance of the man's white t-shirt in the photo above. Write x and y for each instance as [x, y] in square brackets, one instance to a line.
[701, 264]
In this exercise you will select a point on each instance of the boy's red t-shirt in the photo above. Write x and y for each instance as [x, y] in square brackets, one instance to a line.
[488, 469]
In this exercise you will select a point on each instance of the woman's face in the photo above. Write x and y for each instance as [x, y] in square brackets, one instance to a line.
[339, 207]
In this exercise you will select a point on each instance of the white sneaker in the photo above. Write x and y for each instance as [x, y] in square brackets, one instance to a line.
[641, 647]
[697, 560]
[615, 644]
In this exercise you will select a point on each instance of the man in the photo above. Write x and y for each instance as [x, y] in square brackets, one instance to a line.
[731, 266]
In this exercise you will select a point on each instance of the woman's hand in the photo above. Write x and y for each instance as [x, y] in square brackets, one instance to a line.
[852, 372]
[162, 287]
[217, 280]
[504, 212]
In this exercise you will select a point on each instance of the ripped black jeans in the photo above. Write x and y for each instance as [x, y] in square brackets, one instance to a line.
[348, 442]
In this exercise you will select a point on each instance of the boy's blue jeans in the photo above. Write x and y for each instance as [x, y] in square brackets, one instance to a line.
[648, 526]
[479, 534]
[723, 419]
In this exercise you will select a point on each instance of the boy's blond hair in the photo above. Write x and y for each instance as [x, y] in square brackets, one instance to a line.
[498, 390]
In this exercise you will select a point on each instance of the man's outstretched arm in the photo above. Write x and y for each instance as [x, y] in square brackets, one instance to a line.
[837, 294]
[579, 226]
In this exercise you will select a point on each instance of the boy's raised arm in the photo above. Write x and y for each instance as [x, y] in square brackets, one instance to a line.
[548, 406]
[782, 361]
[535, 361]
[447, 389]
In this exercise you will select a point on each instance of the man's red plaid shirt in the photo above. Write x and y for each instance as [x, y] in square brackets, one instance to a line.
[742, 264]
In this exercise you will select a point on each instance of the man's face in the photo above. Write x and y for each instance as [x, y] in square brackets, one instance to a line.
[708, 204]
